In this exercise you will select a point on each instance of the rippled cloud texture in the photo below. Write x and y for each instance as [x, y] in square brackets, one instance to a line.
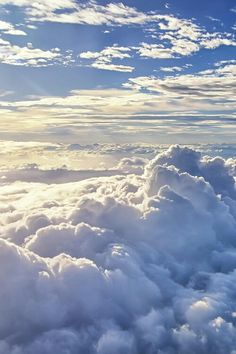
[134, 264]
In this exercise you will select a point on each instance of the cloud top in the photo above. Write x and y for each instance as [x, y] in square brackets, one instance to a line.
[139, 263]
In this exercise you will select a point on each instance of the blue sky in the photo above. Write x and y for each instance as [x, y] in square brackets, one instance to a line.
[131, 71]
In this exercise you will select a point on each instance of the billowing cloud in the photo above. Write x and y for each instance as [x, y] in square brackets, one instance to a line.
[134, 264]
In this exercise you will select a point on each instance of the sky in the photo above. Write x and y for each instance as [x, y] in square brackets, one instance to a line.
[118, 72]
[117, 177]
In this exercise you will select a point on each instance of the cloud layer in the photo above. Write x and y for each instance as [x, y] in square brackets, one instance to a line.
[114, 70]
[198, 106]
[123, 264]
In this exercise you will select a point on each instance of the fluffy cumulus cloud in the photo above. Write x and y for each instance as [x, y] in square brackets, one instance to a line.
[103, 60]
[176, 37]
[8, 28]
[172, 35]
[27, 56]
[71, 11]
[139, 263]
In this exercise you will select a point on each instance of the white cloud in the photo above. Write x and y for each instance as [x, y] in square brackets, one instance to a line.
[12, 54]
[155, 51]
[171, 69]
[213, 19]
[15, 55]
[180, 37]
[175, 68]
[183, 44]
[5, 93]
[183, 28]
[112, 67]
[123, 263]
[89, 13]
[104, 58]
[108, 53]
[215, 85]
[208, 95]
[223, 62]
[212, 43]
[8, 28]
[31, 27]
[174, 36]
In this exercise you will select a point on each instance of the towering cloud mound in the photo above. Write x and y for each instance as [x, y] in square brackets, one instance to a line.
[128, 264]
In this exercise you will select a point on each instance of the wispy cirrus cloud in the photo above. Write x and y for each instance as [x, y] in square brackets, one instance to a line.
[112, 67]
[170, 69]
[4, 93]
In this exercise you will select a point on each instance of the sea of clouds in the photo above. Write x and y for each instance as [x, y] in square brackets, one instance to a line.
[141, 261]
